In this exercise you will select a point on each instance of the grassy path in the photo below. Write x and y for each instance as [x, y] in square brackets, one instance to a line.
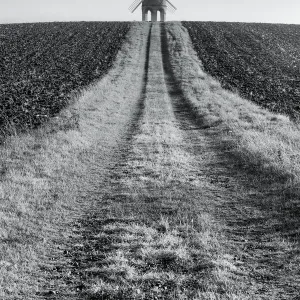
[151, 234]
[143, 233]
[172, 216]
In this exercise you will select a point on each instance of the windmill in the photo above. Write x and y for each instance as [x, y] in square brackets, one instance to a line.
[153, 6]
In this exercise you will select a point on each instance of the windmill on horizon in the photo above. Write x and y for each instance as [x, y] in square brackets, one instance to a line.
[154, 6]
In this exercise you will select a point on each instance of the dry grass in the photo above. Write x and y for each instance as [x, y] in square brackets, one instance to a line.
[161, 243]
[256, 154]
[265, 141]
[158, 233]
[43, 172]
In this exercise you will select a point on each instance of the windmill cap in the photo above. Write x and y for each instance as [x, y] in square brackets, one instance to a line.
[154, 2]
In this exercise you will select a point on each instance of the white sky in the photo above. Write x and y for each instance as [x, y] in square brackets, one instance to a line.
[266, 11]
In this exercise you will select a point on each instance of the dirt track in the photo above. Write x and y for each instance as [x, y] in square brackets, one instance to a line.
[169, 178]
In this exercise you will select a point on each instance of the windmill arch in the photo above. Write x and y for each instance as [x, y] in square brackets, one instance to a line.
[153, 10]
[146, 11]
[162, 12]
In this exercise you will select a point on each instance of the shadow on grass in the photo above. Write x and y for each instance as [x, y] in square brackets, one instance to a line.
[271, 197]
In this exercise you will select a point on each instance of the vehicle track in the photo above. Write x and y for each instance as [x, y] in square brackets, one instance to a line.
[170, 179]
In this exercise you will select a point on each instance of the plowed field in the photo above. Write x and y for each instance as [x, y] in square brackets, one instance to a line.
[41, 63]
[260, 61]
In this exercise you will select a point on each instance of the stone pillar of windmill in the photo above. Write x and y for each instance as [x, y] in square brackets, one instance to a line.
[154, 6]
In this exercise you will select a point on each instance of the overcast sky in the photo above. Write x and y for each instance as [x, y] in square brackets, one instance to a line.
[267, 11]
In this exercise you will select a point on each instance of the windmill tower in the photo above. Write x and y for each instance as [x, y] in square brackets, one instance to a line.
[154, 6]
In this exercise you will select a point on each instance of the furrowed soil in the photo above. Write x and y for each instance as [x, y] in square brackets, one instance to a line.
[259, 61]
[165, 211]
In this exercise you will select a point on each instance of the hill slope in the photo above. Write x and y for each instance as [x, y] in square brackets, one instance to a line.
[168, 187]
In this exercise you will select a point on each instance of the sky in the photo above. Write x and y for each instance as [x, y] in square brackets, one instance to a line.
[264, 11]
